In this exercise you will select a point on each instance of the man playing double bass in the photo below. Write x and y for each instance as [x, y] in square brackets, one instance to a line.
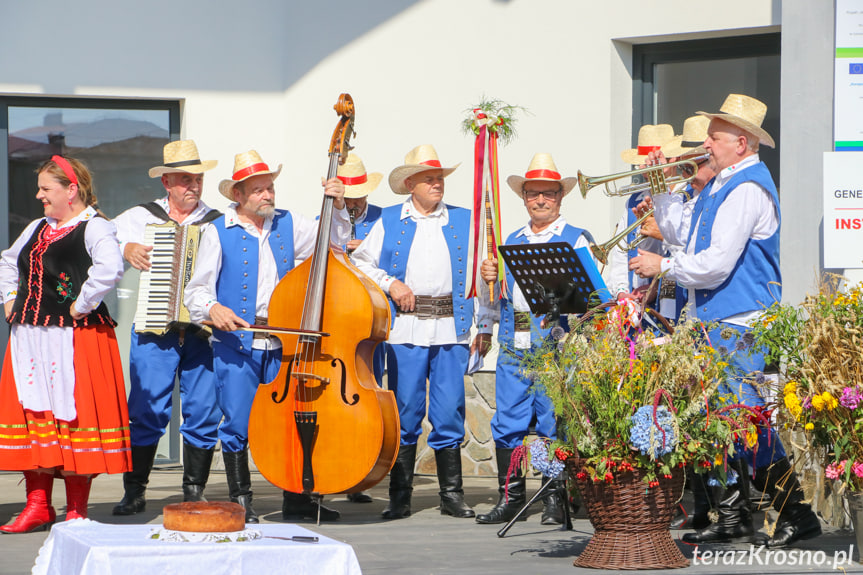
[242, 257]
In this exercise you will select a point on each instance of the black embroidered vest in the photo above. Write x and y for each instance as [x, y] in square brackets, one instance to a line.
[52, 267]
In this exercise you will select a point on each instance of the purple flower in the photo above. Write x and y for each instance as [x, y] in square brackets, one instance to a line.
[807, 403]
[851, 398]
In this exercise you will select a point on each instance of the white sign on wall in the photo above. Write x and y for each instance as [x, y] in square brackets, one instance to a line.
[843, 210]
[848, 77]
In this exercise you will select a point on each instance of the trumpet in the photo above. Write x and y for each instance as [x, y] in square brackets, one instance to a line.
[602, 251]
[655, 180]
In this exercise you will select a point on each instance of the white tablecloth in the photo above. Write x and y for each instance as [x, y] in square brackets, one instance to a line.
[84, 547]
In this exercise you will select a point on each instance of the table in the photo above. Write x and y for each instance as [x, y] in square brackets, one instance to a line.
[84, 547]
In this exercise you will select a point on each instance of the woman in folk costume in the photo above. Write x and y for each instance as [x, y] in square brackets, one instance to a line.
[62, 397]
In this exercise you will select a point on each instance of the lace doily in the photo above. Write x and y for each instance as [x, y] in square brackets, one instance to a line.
[163, 534]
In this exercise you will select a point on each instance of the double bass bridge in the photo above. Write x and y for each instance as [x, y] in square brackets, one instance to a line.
[304, 377]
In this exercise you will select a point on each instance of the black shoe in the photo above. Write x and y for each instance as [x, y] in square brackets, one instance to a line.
[240, 481]
[684, 522]
[196, 471]
[734, 521]
[796, 519]
[806, 527]
[512, 493]
[359, 497]
[135, 481]
[401, 483]
[302, 506]
[449, 478]
[553, 501]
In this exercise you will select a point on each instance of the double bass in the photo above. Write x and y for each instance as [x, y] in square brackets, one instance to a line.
[323, 425]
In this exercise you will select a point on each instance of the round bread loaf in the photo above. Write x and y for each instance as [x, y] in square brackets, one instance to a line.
[204, 517]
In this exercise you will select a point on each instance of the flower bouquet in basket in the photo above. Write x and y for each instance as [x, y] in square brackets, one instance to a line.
[819, 348]
[634, 410]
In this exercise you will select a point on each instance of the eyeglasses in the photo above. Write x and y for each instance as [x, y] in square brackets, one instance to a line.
[687, 171]
[547, 194]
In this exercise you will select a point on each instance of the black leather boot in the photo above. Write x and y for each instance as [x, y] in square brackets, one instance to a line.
[449, 478]
[401, 483]
[240, 481]
[796, 519]
[196, 471]
[302, 506]
[703, 501]
[553, 501]
[734, 522]
[135, 481]
[360, 497]
[512, 492]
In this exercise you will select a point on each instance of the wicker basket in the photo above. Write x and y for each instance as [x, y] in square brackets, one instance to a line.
[631, 522]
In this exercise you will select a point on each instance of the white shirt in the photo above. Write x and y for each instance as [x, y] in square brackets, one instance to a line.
[428, 273]
[487, 313]
[747, 213]
[131, 223]
[200, 294]
[43, 357]
[673, 216]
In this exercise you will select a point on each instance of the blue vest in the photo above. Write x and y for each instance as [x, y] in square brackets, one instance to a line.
[237, 285]
[748, 287]
[364, 227]
[506, 329]
[398, 238]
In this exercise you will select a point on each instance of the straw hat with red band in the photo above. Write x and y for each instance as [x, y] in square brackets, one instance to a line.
[182, 157]
[746, 113]
[651, 138]
[541, 169]
[246, 165]
[357, 182]
[691, 142]
[420, 159]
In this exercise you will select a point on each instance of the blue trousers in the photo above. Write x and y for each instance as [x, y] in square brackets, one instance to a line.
[518, 400]
[237, 378]
[745, 361]
[155, 362]
[379, 362]
[444, 367]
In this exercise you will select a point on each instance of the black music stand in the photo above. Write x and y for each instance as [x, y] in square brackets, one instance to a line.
[555, 279]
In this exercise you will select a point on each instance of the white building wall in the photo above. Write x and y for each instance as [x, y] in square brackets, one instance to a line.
[264, 74]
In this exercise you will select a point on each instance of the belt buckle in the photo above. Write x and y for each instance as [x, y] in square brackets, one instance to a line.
[668, 290]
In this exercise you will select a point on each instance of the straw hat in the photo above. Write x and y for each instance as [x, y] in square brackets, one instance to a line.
[246, 165]
[357, 182]
[420, 159]
[651, 138]
[746, 113]
[691, 142]
[541, 169]
[182, 157]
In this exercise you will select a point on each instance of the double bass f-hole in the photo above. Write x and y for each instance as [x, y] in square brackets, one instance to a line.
[302, 378]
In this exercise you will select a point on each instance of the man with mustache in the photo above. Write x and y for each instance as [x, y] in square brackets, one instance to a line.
[155, 361]
[242, 257]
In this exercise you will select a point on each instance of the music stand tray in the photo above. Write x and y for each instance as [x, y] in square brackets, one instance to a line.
[555, 275]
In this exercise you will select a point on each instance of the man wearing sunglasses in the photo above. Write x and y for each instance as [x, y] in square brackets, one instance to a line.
[542, 190]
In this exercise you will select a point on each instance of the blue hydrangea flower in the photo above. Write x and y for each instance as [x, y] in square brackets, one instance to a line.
[540, 460]
[645, 436]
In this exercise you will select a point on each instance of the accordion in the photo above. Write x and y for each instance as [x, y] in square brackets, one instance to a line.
[160, 289]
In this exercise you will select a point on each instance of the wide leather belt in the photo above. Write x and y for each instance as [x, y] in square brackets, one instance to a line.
[260, 334]
[522, 321]
[431, 307]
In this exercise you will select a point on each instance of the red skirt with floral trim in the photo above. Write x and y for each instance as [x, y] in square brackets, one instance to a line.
[97, 441]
